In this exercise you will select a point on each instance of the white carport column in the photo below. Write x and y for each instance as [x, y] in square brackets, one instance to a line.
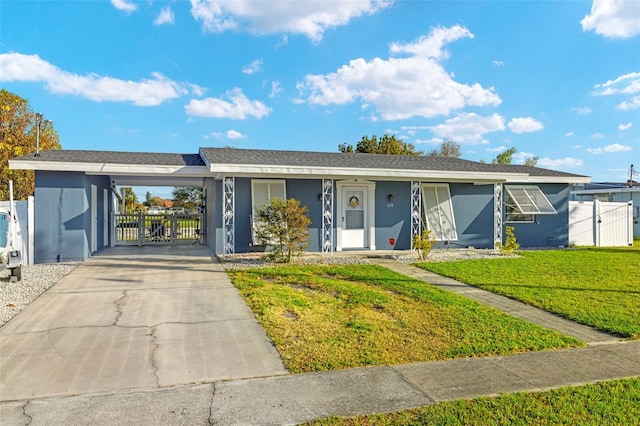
[497, 213]
[228, 214]
[416, 210]
[327, 216]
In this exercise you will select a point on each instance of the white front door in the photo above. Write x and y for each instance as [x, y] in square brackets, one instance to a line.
[354, 217]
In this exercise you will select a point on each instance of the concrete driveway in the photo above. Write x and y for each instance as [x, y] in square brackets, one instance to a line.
[134, 318]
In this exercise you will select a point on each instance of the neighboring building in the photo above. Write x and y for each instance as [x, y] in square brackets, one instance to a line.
[355, 201]
[611, 192]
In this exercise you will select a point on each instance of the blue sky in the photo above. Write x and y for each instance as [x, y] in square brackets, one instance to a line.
[559, 80]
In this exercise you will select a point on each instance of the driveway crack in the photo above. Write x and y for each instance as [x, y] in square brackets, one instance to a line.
[118, 304]
[213, 394]
[24, 412]
[154, 347]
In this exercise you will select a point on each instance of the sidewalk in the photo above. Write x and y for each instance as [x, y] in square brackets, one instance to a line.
[292, 399]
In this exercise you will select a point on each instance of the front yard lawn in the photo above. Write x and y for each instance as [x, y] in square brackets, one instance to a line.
[599, 287]
[609, 403]
[334, 317]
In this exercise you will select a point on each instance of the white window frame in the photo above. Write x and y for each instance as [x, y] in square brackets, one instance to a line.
[537, 203]
[270, 182]
[447, 234]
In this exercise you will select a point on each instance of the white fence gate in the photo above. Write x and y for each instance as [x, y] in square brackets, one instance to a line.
[600, 224]
[24, 233]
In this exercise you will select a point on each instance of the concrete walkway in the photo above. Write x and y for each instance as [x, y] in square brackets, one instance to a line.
[291, 399]
[518, 309]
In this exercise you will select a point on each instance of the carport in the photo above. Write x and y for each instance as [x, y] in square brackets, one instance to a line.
[76, 197]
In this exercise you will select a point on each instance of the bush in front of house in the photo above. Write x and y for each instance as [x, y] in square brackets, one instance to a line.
[423, 243]
[283, 226]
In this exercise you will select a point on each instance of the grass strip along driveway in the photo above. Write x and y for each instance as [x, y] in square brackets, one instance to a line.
[333, 317]
[596, 287]
[610, 403]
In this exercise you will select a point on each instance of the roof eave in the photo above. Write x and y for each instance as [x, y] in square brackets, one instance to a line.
[108, 168]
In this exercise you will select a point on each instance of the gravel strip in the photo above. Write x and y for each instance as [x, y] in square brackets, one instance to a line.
[254, 260]
[36, 279]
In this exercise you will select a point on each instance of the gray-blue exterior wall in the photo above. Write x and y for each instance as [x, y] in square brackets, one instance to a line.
[547, 230]
[63, 216]
[472, 206]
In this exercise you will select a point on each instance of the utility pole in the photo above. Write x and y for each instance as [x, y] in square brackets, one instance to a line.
[39, 122]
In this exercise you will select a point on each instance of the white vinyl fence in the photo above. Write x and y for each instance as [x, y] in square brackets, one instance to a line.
[600, 224]
[24, 230]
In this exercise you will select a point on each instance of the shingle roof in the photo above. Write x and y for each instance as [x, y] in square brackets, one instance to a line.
[365, 161]
[116, 157]
[262, 157]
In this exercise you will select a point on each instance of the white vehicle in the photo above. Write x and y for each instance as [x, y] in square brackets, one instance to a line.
[10, 256]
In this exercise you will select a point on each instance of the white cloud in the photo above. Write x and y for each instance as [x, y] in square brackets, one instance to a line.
[124, 5]
[234, 134]
[239, 108]
[309, 18]
[582, 110]
[616, 147]
[525, 125]
[500, 148]
[623, 77]
[253, 67]
[400, 88]
[560, 163]
[521, 157]
[625, 106]
[432, 45]
[597, 136]
[577, 146]
[165, 16]
[569, 134]
[623, 127]
[468, 128]
[275, 89]
[613, 18]
[146, 92]
[498, 63]
[626, 84]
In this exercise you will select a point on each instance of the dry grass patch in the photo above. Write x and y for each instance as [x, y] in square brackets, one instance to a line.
[333, 317]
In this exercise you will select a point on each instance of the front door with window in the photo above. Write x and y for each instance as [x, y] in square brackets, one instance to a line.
[354, 218]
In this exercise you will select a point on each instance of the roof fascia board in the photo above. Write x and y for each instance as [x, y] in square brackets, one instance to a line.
[205, 159]
[551, 179]
[173, 180]
[107, 168]
[334, 172]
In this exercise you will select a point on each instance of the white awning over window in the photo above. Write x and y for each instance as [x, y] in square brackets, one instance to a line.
[530, 200]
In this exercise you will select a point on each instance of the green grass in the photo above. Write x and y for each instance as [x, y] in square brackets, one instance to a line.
[610, 403]
[599, 287]
[333, 317]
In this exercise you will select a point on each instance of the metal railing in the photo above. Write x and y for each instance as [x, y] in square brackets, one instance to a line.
[143, 229]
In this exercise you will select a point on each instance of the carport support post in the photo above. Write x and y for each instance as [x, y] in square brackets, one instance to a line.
[141, 229]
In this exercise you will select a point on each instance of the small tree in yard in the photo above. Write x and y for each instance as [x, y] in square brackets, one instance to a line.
[424, 243]
[283, 225]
